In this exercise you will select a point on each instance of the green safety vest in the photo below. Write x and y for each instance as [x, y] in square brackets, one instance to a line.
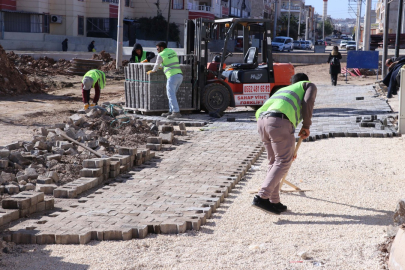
[96, 75]
[142, 58]
[287, 100]
[171, 65]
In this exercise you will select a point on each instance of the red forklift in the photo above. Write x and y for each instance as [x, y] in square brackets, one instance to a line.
[249, 83]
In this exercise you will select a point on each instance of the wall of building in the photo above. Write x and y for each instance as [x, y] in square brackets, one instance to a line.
[37, 6]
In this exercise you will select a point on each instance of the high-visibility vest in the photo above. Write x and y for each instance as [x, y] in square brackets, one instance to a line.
[96, 75]
[142, 58]
[287, 100]
[171, 65]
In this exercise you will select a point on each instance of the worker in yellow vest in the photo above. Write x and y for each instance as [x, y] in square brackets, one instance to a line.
[92, 79]
[139, 55]
[277, 120]
[171, 67]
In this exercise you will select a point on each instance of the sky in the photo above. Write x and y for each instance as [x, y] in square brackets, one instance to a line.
[338, 8]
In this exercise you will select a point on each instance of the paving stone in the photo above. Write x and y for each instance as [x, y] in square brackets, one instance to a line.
[166, 128]
[182, 126]
[154, 140]
[156, 147]
[12, 146]
[93, 163]
[41, 145]
[167, 138]
[127, 151]
[47, 189]
[4, 153]
[12, 189]
[91, 172]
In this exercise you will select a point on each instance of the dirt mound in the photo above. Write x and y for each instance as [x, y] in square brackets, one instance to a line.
[109, 62]
[42, 67]
[12, 81]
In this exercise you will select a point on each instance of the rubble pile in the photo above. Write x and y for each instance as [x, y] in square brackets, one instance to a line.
[51, 159]
[12, 81]
[42, 67]
[109, 62]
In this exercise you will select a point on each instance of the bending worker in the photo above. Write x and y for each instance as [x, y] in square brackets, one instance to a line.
[276, 123]
[139, 55]
[92, 79]
[171, 67]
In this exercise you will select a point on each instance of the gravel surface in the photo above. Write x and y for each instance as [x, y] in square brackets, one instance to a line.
[355, 185]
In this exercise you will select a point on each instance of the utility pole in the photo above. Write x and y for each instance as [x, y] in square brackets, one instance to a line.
[168, 23]
[299, 23]
[359, 2]
[385, 37]
[399, 23]
[306, 26]
[367, 26]
[289, 15]
[275, 19]
[120, 33]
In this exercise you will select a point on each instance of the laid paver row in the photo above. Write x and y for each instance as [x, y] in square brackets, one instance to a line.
[176, 191]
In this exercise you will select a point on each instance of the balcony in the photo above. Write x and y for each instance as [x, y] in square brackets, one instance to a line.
[284, 8]
[203, 8]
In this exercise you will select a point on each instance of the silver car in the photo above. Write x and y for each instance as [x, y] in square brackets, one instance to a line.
[308, 45]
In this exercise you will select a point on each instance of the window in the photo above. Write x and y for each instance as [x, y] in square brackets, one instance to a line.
[98, 25]
[26, 22]
[127, 3]
[178, 4]
[80, 26]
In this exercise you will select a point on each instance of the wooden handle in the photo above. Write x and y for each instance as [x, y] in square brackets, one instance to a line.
[63, 134]
[297, 146]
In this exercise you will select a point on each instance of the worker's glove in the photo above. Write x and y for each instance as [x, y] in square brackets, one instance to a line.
[144, 61]
[150, 71]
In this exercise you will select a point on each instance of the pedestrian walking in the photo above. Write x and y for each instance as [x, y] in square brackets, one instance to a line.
[334, 61]
[65, 45]
[92, 79]
[140, 56]
[91, 47]
[276, 123]
[171, 67]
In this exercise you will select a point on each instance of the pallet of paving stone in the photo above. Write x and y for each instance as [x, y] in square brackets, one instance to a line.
[147, 92]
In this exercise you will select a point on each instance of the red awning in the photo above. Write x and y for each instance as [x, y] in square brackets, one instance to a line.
[8, 5]
[195, 15]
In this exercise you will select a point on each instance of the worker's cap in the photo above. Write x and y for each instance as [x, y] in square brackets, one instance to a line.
[87, 83]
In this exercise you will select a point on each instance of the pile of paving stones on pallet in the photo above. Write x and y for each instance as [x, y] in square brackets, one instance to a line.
[147, 92]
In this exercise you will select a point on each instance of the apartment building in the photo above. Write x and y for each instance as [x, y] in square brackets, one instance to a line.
[99, 18]
[393, 12]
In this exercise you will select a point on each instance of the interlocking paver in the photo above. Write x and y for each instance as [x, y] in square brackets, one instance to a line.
[179, 190]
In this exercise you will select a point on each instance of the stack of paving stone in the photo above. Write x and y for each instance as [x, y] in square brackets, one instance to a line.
[147, 92]
[154, 143]
[23, 204]
[182, 131]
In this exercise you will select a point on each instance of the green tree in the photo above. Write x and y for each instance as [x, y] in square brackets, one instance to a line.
[283, 24]
[328, 28]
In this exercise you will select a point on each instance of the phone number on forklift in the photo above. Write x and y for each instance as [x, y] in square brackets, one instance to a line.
[257, 88]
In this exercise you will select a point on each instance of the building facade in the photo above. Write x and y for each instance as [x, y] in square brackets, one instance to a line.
[393, 13]
[99, 18]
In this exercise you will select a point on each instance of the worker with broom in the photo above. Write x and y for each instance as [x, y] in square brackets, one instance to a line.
[92, 79]
[276, 123]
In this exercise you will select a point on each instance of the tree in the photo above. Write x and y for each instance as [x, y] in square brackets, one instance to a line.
[328, 28]
[155, 29]
[283, 23]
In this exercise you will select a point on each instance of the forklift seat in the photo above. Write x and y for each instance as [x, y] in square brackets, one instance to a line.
[250, 61]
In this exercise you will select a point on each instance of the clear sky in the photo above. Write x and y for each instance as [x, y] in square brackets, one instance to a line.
[338, 8]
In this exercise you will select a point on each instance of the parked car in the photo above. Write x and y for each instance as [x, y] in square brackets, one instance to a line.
[299, 44]
[351, 45]
[343, 37]
[282, 44]
[308, 45]
[343, 44]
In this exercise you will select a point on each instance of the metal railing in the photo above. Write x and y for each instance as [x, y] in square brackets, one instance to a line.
[178, 6]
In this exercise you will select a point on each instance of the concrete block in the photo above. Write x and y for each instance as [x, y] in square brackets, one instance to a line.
[65, 192]
[91, 172]
[123, 159]
[127, 151]
[53, 175]
[114, 166]
[12, 189]
[47, 189]
[41, 145]
[66, 239]
[167, 138]
[45, 239]
[166, 128]
[154, 140]
[85, 238]
[4, 153]
[4, 163]
[112, 235]
[155, 147]
[49, 204]
[12, 146]
[93, 163]
[8, 215]
[41, 206]
[114, 174]
[29, 187]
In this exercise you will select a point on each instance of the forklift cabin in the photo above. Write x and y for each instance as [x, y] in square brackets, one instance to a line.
[241, 84]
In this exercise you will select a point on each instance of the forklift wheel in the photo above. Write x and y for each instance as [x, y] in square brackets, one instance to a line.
[215, 98]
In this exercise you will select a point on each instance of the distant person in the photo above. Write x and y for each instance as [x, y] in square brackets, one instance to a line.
[92, 79]
[91, 47]
[334, 61]
[65, 45]
[140, 56]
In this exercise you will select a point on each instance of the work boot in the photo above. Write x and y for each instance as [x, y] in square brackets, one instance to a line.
[174, 115]
[279, 206]
[166, 114]
[86, 106]
[265, 204]
[93, 104]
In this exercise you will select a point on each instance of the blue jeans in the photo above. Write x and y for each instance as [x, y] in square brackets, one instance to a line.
[172, 86]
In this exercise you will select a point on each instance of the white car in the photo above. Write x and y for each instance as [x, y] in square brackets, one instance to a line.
[343, 44]
[308, 45]
[351, 45]
[282, 44]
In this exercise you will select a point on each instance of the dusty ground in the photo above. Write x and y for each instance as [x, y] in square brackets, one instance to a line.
[19, 115]
[339, 223]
